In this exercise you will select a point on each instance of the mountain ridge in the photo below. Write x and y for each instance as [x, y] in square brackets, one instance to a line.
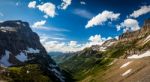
[20, 46]
[96, 62]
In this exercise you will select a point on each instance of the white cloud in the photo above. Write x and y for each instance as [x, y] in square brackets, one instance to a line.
[65, 4]
[31, 4]
[61, 46]
[117, 37]
[101, 18]
[72, 43]
[96, 38]
[48, 9]
[44, 38]
[39, 24]
[143, 10]
[71, 46]
[83, 13]
[82, 3]
[128, 24]
[52, 44]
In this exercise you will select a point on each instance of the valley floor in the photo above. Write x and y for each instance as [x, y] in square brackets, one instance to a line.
[124, 70]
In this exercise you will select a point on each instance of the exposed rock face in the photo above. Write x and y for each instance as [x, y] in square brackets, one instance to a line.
[19, 44]
[145, 30]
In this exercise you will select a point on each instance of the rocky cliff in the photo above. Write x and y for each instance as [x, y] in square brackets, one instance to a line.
[19, 45]
[144, 31]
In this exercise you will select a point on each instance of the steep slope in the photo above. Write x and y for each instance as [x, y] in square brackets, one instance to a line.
[102, 63]
[20, 46]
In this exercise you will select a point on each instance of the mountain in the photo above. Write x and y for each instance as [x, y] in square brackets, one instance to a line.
[123, 60]
[59, 57]
[21, 53]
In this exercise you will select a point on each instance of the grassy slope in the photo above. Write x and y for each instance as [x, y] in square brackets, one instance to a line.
[19, 74]
[86, 68]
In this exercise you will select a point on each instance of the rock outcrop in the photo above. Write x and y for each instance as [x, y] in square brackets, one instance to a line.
[20, 45]
[144, 31]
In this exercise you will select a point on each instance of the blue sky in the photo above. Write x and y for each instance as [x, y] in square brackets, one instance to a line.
[70, 25]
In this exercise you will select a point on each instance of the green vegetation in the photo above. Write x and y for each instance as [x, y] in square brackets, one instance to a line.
[83, 67]
[90, 63]
[27, 73]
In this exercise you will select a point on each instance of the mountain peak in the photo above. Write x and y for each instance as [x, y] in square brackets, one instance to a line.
[15, 25]
[20, 45]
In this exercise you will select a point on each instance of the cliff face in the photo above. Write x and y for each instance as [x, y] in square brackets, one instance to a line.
[17, 39]
[144, 31]
[20, 45]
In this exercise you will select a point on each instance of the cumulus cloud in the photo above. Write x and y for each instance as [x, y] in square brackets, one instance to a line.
[31, 4]
[128, 24]
[48, 9]
[60, 46]
[65, 4]
[39, 24]
[71, 46]
[101, 18]
[72, 43]
[143, 10]
[96, 38]
[52, 44]
[117, 37]
[83, 13]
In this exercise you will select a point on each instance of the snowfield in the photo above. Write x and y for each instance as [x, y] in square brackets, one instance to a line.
[146, 54]
[147, 39]
[5, 59]
[127, 72]
[31, 50]
[126, 64]
[21, 57]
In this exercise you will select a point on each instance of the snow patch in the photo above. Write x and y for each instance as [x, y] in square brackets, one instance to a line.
[5, 29]
[147, 39]
[21, 57]
[5, 59]
[127, 72]
[18, 23]
[146, 54]
[31, 50]
[126, 64]
[102, 49]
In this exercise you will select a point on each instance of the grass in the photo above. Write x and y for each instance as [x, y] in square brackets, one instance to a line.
[82, 67]
[27, 73]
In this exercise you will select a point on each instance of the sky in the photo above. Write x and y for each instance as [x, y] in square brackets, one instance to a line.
[71, 25]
